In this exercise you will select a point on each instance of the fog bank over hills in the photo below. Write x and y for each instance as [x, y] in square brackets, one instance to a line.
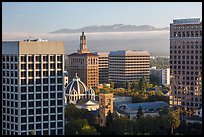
[156, 42]
[111, 28]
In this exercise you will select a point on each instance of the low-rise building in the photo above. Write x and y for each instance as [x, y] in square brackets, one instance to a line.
[89, 104]
[148, 108]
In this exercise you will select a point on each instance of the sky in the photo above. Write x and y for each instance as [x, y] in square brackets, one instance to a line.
[21, 20]
[44, 17]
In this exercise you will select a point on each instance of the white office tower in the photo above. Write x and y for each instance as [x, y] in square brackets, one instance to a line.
[32, 87]
[128, 65]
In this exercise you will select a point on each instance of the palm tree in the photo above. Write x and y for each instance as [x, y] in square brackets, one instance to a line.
[173, 119]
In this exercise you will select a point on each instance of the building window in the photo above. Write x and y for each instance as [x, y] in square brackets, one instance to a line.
[38, 66]
[38, 81]
[23, 58]
[52, 65]
[59, 58]
[38, 118]
[23, 66]
[23, 74]
[52, 58]
[45, 58]
[30, 58]
[31, 81]
[45, 110]
[38, 58]
[45, 66]
[38, 73]
[30, 74]
[30, 66]
[45, 125]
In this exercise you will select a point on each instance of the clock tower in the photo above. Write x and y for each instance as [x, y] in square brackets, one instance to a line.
[83, 44]
[105, 105]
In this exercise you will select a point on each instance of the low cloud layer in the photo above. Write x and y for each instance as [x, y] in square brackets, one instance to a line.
[156, 42]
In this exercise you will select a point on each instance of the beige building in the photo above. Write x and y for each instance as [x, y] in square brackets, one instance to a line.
[186, 63]
[85, 64]
[128, 65]
[103, 67]
[105, 104]
[32, 87]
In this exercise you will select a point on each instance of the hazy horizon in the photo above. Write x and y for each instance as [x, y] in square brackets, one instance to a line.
[106, 41]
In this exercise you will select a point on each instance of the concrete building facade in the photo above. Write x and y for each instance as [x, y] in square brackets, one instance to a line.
[186, 63]
[163, 75]
[32, 87]
[129, 66]
[103, 67]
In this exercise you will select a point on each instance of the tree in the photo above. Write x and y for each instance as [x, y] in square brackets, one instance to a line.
[185, 112]
[154, 80]
[88, 130]
[139, 112]
[75, 126]
[164, 111]
[111, 85]
[173, 119]
[142, 84]
[135, 86]
[128, 86]
[32, 132]
[109, 118]
[121, 126]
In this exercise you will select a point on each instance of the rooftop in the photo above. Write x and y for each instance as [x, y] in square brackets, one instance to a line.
[83, 54]
[187, 21]
[146, 105]
[129, 53]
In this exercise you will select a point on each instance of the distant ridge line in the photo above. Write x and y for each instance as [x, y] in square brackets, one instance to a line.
[111, 28]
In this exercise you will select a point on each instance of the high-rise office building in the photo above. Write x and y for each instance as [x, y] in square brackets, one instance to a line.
[129, 66]
[32, 87]
[103, 67]
[186, 63]
[85, 64]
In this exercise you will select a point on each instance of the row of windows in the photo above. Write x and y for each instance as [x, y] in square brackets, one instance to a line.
[44, 88]
[45, 132]
[192, 26]
[38, 111]
[187, 72]
[38, 66]
[9, 81]
[38, 96]
[186, 46]
[10, 66]
[185, 57]
[186, 67]
[186, 62]
[188, 34]
[38, 58]
[38, 119]
[45, 103]
[10, 88]
[183, 52]
[7, 58]
[38, 126]
[38, 73]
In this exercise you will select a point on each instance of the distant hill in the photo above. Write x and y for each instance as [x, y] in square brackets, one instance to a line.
[111, 28]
